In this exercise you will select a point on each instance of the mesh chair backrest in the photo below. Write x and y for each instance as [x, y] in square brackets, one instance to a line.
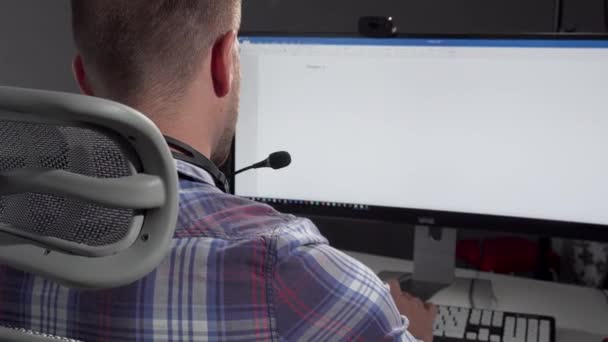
[88, 189]
[79, 150]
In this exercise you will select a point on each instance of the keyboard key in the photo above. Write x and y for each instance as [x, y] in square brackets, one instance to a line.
[484, 334]
[520, 331]
[497, 320]
[486, 319]
[475, 317]
[544, 331]
[459, 330]
[495, 338]
[509, 330]
[471, 336]
[462, 317]
[438, 329]
[532, 330]
[455, 333]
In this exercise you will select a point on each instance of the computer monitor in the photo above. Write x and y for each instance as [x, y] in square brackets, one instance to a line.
[466, 133]
[507, 133]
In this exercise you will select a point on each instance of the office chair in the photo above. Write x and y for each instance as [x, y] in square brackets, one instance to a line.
[88, 192]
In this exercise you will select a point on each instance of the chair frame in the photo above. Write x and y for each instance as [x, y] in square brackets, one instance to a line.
[144, 145]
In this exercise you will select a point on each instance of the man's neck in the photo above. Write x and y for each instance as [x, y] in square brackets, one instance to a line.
[182, 124]
[186, 136]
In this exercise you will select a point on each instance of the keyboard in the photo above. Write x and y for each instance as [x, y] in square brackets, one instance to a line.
[454, 324]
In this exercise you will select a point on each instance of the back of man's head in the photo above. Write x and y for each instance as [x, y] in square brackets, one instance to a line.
[134, 49]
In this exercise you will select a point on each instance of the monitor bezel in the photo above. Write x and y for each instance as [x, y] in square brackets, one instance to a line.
[436, 218]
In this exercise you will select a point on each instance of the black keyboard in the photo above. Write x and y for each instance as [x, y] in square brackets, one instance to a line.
[454, 324]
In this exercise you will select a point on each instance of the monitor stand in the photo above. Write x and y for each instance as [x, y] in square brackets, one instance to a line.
[435, 266]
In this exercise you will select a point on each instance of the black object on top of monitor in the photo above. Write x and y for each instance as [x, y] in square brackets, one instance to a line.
[377, 27]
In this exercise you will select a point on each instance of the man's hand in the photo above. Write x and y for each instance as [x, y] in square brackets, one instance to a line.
[421, 315]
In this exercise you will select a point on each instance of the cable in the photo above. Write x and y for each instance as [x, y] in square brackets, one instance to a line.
[473, 281]
[605, 293]
[606, 15]
[557, 19]
[472, 292]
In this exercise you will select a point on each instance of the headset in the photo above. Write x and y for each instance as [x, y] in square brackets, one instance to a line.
[189, 155]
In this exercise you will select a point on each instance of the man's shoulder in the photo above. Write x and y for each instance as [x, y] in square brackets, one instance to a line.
[205, 211]
[324, 294]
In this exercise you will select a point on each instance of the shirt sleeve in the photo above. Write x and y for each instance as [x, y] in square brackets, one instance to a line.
[322, 294]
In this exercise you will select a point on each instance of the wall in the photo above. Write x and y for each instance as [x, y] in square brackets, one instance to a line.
[411, 16]
[585, 15]
[36, 44]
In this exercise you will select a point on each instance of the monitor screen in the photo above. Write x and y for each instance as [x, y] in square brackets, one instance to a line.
[505, 127]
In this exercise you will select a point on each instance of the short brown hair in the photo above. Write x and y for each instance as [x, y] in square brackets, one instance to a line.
[147, 47]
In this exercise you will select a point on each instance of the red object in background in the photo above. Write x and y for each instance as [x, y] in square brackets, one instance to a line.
[503, 255]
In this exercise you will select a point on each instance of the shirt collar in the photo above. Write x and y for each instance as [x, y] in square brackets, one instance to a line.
[196, 173]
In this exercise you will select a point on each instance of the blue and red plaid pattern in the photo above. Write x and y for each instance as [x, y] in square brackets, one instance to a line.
[237, 270]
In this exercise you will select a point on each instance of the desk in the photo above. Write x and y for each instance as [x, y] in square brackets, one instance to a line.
[581, 314]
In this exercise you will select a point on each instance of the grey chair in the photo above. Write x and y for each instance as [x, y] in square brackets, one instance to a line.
[88, 191]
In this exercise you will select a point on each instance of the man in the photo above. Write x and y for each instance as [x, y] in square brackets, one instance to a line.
[238, 270]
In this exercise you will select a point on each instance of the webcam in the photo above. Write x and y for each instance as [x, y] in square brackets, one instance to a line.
[377, 27]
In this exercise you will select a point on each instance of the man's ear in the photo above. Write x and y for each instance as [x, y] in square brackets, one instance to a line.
[223, 64]
[81, 76]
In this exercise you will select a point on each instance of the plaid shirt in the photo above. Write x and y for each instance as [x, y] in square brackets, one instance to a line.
[237, 270]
